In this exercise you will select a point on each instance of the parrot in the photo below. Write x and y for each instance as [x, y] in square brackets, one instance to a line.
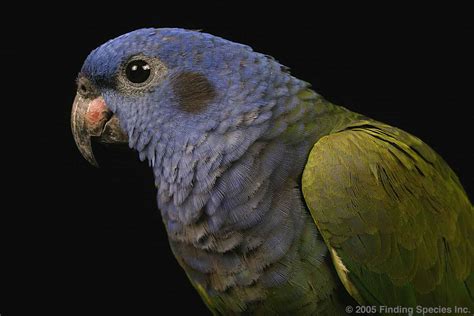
[275, 200]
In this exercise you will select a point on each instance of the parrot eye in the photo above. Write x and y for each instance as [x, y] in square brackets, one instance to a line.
[137, 71]
[140, 73]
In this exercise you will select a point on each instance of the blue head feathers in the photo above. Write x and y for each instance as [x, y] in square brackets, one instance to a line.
[191, 103]
[235, 79]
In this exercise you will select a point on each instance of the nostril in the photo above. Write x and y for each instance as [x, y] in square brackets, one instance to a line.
[83, 88]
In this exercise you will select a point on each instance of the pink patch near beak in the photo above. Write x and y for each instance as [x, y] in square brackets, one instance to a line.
[97, 114]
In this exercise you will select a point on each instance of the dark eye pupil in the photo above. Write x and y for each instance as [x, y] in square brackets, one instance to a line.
[138, 71]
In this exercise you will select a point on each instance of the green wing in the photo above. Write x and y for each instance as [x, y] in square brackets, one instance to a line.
[395, 217]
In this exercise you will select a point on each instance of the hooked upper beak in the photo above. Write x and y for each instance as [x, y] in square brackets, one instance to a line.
[90, 117]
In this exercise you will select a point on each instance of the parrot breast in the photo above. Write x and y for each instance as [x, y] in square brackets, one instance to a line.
[241, 229]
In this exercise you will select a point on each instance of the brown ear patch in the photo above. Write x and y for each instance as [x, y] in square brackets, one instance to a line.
[193, 90]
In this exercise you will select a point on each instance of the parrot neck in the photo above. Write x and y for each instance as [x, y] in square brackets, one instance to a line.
[237, 220]
[203, 180]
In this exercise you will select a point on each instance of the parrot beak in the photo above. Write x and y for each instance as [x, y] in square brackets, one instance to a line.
[90, 118]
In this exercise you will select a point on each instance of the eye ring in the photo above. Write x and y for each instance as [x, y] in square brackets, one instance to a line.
[140, 72]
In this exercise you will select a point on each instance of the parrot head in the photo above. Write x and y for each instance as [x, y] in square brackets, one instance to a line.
[162, 87]
[189, 102]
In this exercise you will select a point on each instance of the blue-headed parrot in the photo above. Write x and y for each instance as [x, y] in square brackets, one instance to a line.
[276, 201]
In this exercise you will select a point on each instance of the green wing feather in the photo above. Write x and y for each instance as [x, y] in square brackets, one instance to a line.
[397, 221]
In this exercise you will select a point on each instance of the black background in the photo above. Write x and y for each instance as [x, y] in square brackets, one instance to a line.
[76, 238]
